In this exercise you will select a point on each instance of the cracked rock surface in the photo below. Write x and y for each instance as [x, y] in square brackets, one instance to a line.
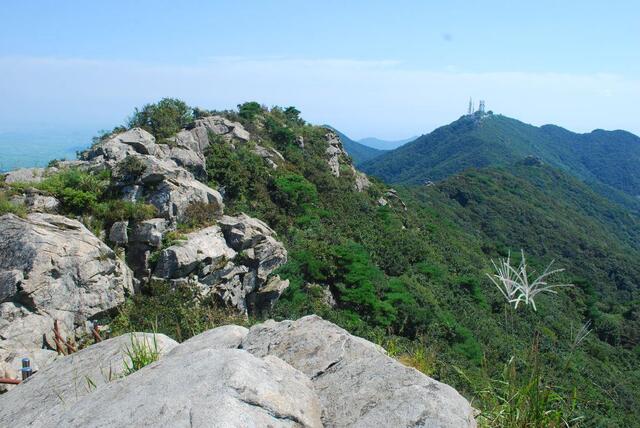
[304, 373]
[52, 268]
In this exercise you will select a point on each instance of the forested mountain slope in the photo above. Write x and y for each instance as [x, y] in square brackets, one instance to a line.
[610, 158]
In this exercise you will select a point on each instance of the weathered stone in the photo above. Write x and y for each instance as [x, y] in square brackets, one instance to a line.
[185, 157]
[34, 201]
[66, 380]
[141, 141]
[270, 255]
[55, 270]
[173, 197]
[243, 232]
[217, 125]
[270, 155]
[358, 385]
[25, 175]
[264, 298]
[335, 152]
[204, 247]
[118, 233]
[225, 337]
[362, 181]
[223, 387]
[149, 232]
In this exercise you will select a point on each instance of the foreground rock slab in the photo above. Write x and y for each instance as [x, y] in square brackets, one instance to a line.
[67, 379]
[305, 373]
[210, 387]
[358, 384]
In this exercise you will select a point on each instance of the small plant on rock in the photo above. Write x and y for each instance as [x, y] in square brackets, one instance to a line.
[140, 354]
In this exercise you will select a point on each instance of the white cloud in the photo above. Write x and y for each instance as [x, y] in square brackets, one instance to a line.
[382, 98]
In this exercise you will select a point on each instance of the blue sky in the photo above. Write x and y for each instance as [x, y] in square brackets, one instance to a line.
[369, 68]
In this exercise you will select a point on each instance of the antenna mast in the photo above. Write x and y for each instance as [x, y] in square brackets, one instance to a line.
[481, 107]
[470, 106]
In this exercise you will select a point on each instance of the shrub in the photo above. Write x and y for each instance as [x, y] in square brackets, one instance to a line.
[131, 168]
[281, 134]
[294, 193]
[249, 110]
[164, 118]
[198, 214]
[6, 207]
[180, 312]
[120, 210]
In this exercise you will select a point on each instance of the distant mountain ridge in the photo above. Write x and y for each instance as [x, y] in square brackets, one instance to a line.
[380, 144]
[606, 158]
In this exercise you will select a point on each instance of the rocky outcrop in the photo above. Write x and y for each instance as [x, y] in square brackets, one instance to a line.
[335, 152]
[219, 126]
[357, 383]
[337, 156]
[52, 268]
[305, 373]
[25, 175]
[147, 172]
[231, 260]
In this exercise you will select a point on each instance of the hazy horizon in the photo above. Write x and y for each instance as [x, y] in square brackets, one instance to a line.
[369, 69]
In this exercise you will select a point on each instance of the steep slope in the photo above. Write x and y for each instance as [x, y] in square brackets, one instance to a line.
[360, 153]
[610, 158]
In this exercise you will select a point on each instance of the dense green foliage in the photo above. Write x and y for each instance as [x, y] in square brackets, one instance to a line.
[358, 151]
[162, 119]
[89, 196]
[609, 158]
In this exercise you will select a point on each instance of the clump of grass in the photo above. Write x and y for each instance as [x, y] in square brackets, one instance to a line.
[140, 354]
[518, 285]
[522, 399]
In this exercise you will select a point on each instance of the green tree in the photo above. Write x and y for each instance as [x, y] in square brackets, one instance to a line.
[164, 118]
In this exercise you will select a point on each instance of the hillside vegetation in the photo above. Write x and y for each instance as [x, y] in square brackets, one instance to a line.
[608, 158]
[407, 269]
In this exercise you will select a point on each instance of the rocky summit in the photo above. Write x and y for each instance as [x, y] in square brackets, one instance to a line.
[304, 373]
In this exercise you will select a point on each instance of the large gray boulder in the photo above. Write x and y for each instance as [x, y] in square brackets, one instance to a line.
[358, 385]
[205, 247]
[223, 387]
[52, 268]
[67, 379]
[36, 201]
